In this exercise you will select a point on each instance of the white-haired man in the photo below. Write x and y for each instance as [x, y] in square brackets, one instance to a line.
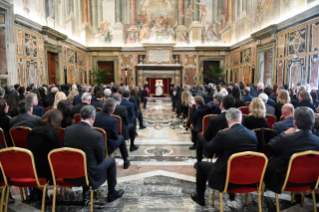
[260, 88]
[85, 100]
[269, 109]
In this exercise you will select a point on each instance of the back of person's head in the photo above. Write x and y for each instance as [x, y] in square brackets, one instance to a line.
[53, 118]
[115, 88]
[2, 91]
[305, 96]
[3, 106]
[29, 88]
[221, 84]
[65, 107]
[96, 88]
[257, 108]
[186, 97]
[74, 87]
[16, 86]
[233, 115]
[30, 97]
[134, 92]
[194, 87]
[58, 97]
[313, 95]
[86, 96]
[99, 94]
[208, 89]
[126, 94]
[236, 93]
[24, 106]
[283, 97]
[109, 105]
[260, 85]
[228, 102]
[304, 118]
[107, 93]
[224, 91]
[54, 90]
[218, 97]
[287, 109]
[267, 91]
[67, 87]
[21, 90]
[84, 88]
[201, 88]
[199, 100]
[263, 97]
[246, 90]
[87, 112]
[117, 97]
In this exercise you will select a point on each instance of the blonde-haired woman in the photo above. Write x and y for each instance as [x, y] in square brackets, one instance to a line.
[59, 96]
[74, 92]
[283, 98]
[257, 113]
[182, 108]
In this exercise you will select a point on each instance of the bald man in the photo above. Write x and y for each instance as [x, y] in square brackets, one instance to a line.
[288, 113]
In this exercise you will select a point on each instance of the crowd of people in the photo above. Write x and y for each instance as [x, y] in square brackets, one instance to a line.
[48, 108]
[228, 132]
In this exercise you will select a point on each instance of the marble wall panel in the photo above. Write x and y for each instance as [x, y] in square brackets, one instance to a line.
[3, 52]
[19, 42]
[42, 72]
[281, 46]
[21, 74]
[189, 76]
[313, 70]
[190, 60]
[30, 45]
[247, 55]
[71, 56]
[236, 58]
[41, 48]
[71, 78]
[297, 41]
[280, 72]
[129, 77]
[314, 37]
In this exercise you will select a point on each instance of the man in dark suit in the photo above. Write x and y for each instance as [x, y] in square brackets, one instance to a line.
[21, 93]
[283, 146]
[194, 91]
[247, 97]
[268, 92]
[138, 113]
[37, 110]
[197, 113]
[25, 119]
[208, 97]
[85, 100]
[99, 99]
[129, 107]
[77, 98]
[100, 168]
[108, 123]
[200, 90]
[269, 109]
[218, 97]
[215, 123]
[67, 89]
[233, 140]
[143, 97]
[260, 88]
[49, 100]
[287, 111]
[128, 129]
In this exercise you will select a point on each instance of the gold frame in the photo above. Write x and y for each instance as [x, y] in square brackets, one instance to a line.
[17, 127]
[77, 114]
[4, 138]
[53, 175]
[105, 139]
[98, 108]
[18, 149]
[267, 129]
[209, 115]
[227, 178]
[120, 122]
[121, 130]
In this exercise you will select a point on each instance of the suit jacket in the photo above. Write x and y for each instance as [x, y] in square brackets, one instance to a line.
[283, 147]
[278, 107]
[270, 102]
[77, 108]
[283, 125]
[25, 120]
[247, 98]
[77, 99]
[307, 104]
[251, 122]
[38, 110]
[208, 97]
[270, 109]
[253, 93]
[49, 100]
[98, 103]
[259, 92]
[83, 137]
[216, 109]
[215, 124]
[121, 111]
[133, 101]
[109, 124]
[21, 97]
[198, 114]
[130, 110]
[237, 139]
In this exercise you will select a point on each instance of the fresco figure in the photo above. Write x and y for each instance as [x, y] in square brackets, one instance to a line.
[203, 12]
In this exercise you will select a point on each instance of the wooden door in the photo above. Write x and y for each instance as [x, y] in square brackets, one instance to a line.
[51, 67]
[109, 65]
[247, 75]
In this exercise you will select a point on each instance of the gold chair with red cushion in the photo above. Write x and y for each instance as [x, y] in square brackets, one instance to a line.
[19, 136]
[119, 128]
[77, 118]
[3, 139]
[60, 132]
[99, 109]
[264, 135]
[47, 109]
[100, 130]
[244, 110]
[247, 103]
[205, 122]
[271, 120]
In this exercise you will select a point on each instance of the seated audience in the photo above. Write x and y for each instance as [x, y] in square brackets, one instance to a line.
[305, 100]
[4, 121]
[99, 167]
[208, 96]
[2, 93]
[25, 117]
[197, 113]
[37, 110]
[313, 95]
[260, 88]
[215, 123]
[269, 109]
[65, 107]
[247, 97]
[77, 99]
[128, 129]
[21, 93]
[12, 101]
[236, 139]
[216, 106]
[108, 93]
[257, 113]
[183, 106]
[268, 92]
[49, 100]
[99, 99]
[283, 146]
[74, 92]
[129, 107]
[274, 93]
[295, 101]
[58, 97]
[86, 100]
[108, 123]
[282, 98]
[287, 111]
[237, 95]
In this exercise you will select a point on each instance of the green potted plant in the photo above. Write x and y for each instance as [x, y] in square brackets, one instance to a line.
[214, 73]
[100, 75]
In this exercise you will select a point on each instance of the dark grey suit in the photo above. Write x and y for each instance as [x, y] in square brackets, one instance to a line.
[283, 125]
[25, 120]
[270, 109]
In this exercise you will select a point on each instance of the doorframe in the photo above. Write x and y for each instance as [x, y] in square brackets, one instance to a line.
[113, 59]
[59, 78]
[201, 59]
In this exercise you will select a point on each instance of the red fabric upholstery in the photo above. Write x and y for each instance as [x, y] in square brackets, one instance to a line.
[77, 118]
[99, 109]
[26, 182]
[20, 137]
[282, 118]
[104, 137]
[47, 109]
[60, 132]
[247, 104]
[205, 122]
[242, 165]
[119, 126]
[244, 110]
[68, 164]
[271, 120]
[2, 183]
[2, 139]
[243, 190]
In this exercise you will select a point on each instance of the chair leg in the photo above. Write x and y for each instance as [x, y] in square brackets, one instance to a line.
[277, 203]
[303, 198]
[26, 193]
[213, 197]
[43, 197]
[4, 188]
[7, 199]
[293, 197]
[21, 193]
[246, 197]
[220, 201]
[54, 198]
[66, 193]
[91, 200]
[97, 193]
[263, 191]
[314, 201]
[259, 201]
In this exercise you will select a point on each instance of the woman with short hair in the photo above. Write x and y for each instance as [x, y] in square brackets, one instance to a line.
[305, 100]
[257, 113]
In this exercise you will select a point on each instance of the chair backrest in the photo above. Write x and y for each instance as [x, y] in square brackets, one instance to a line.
[247, 103]
[271, 120]
[282, 118]
[119, 126]
[47, 109]
[19, 136]
[205, 121]
[100, 130]
[264, 135]
[99, 109]
[244, 110]
[240, 164]
[3, 139]
[60, 132]
[18, 163]
[68, 163]
[77, 118]
[303, 168]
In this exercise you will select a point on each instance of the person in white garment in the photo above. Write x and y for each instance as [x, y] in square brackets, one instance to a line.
[159, 88]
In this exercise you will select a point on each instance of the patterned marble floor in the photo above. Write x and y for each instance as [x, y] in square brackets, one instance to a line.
[162, 176]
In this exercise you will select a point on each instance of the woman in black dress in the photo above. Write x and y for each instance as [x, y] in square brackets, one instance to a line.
[237, 95]
[65, 107]
[257, 113]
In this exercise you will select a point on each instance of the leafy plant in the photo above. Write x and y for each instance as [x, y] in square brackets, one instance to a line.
[215, 73]
[100, 75]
